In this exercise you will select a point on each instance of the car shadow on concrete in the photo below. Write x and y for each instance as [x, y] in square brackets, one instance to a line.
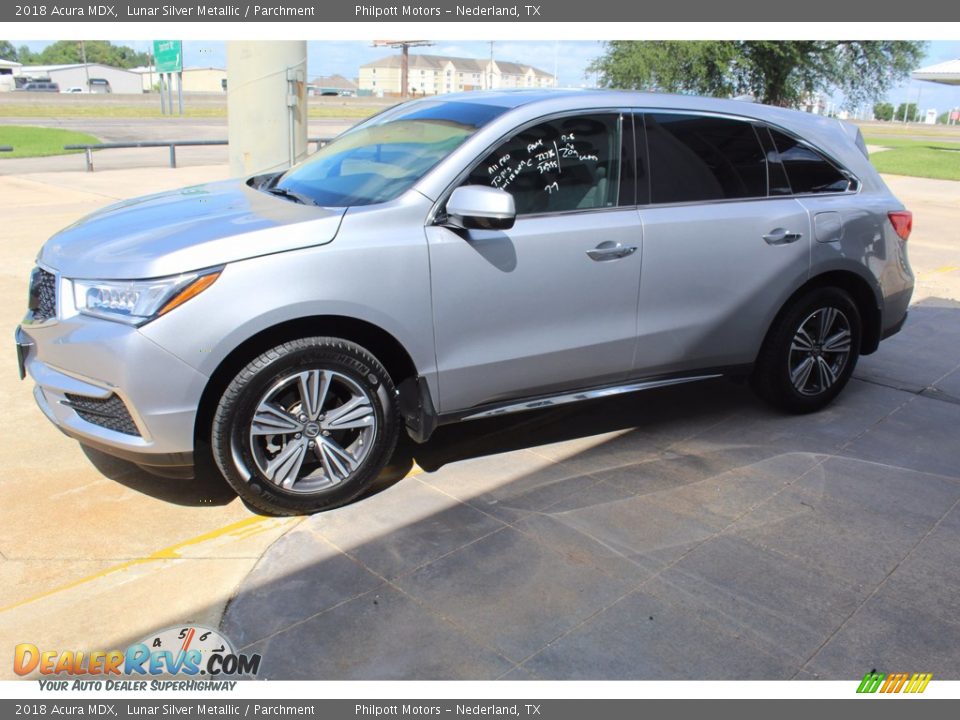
[207, 487]
[687, 533]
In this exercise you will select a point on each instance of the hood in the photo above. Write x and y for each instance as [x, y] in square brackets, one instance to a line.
[187, 229]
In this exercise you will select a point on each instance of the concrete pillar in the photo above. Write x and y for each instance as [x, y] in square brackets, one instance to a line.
[266, 105]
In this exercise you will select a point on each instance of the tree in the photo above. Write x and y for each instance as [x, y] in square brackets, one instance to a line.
[773, 72]
[908, 112]
[97, 51]
[7, 50]
[883, 111]
[25, 55]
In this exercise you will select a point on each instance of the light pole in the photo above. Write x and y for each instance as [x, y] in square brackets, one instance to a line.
[83, 57]
[490, 69]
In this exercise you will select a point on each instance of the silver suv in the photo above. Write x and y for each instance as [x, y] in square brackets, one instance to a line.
[459, 258]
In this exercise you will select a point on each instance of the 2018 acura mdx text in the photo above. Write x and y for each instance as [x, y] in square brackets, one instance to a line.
[461, 257]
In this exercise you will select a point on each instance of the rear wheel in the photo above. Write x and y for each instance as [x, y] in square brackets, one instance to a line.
[810, 354]
[306, 426]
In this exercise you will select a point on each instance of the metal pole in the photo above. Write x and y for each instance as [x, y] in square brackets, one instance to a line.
[556, 62]
[180, 89]
[490, 69]
[89, 157]
[292, 115]
[83, 56]
[163, 101]
[170, 92]
[173, 155]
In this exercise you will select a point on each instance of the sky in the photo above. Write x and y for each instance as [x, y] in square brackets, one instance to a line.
[567, 59]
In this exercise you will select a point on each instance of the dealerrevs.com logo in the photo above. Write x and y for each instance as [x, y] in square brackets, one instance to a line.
[185, 651]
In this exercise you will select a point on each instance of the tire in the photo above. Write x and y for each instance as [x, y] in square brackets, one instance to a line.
[803, 365]
[306, 426]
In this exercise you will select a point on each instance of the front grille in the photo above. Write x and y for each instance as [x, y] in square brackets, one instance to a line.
[109, 412]
[43, 295]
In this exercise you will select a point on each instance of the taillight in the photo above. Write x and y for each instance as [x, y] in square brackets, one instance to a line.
[902, 221]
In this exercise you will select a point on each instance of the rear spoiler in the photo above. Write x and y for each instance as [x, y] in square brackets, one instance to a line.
[853, 132]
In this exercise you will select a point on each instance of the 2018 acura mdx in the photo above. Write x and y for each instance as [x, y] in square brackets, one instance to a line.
[461, 257]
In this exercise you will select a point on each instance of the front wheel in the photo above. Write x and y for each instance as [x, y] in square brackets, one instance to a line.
[306, 426]
[810, 354]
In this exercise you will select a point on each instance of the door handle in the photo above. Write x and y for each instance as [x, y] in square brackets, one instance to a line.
[781, 236]
[610, 251]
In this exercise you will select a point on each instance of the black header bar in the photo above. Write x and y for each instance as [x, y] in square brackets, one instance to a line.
[375, 11]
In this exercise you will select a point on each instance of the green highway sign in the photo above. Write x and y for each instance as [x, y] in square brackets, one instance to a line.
[168, 55]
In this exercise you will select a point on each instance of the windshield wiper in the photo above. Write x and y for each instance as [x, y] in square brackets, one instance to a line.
[290, 195]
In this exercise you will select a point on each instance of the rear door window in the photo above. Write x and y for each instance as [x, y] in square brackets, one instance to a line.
[696, 158]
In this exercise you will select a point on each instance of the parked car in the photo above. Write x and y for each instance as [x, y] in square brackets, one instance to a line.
[40, 86]
[460, 258]
[75, 90]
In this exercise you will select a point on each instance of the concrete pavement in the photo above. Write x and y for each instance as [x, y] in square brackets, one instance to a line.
[93, 549]
[538, 546]
[690, 533]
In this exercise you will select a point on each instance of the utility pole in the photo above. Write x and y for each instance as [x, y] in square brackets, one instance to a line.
[404, 47]
[490, 69]
[83, 57]
[266, 105]
[556, 63]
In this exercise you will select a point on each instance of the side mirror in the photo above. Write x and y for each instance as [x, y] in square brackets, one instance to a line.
[476, 207]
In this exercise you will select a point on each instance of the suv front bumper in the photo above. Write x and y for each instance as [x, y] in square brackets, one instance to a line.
[111, 388]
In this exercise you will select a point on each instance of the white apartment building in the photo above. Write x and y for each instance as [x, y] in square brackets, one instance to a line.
[437, 74]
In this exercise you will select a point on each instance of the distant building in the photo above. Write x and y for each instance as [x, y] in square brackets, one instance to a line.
[814, 103]
[92, 77]
[7, 70]
[195, 79]
[208, 79]
[331, 85]
[437, 74]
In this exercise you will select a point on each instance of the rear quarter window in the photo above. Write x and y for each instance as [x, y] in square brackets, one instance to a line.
[807, 170]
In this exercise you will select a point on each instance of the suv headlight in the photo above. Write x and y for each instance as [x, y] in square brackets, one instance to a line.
[138, 301]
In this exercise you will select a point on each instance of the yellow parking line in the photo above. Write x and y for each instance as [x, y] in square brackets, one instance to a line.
[168, 553]
[939, 271]
[240, 529]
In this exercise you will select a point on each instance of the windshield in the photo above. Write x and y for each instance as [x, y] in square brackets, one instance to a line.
[382, 157]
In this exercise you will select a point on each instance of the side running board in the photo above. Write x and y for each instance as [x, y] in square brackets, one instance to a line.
[554, 400]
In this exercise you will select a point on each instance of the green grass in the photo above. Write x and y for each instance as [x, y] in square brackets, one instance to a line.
[911, 130]
[938, 159]
[40, 142]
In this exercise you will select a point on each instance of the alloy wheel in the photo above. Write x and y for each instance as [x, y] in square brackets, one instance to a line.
[312, 429]
[819, 351]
